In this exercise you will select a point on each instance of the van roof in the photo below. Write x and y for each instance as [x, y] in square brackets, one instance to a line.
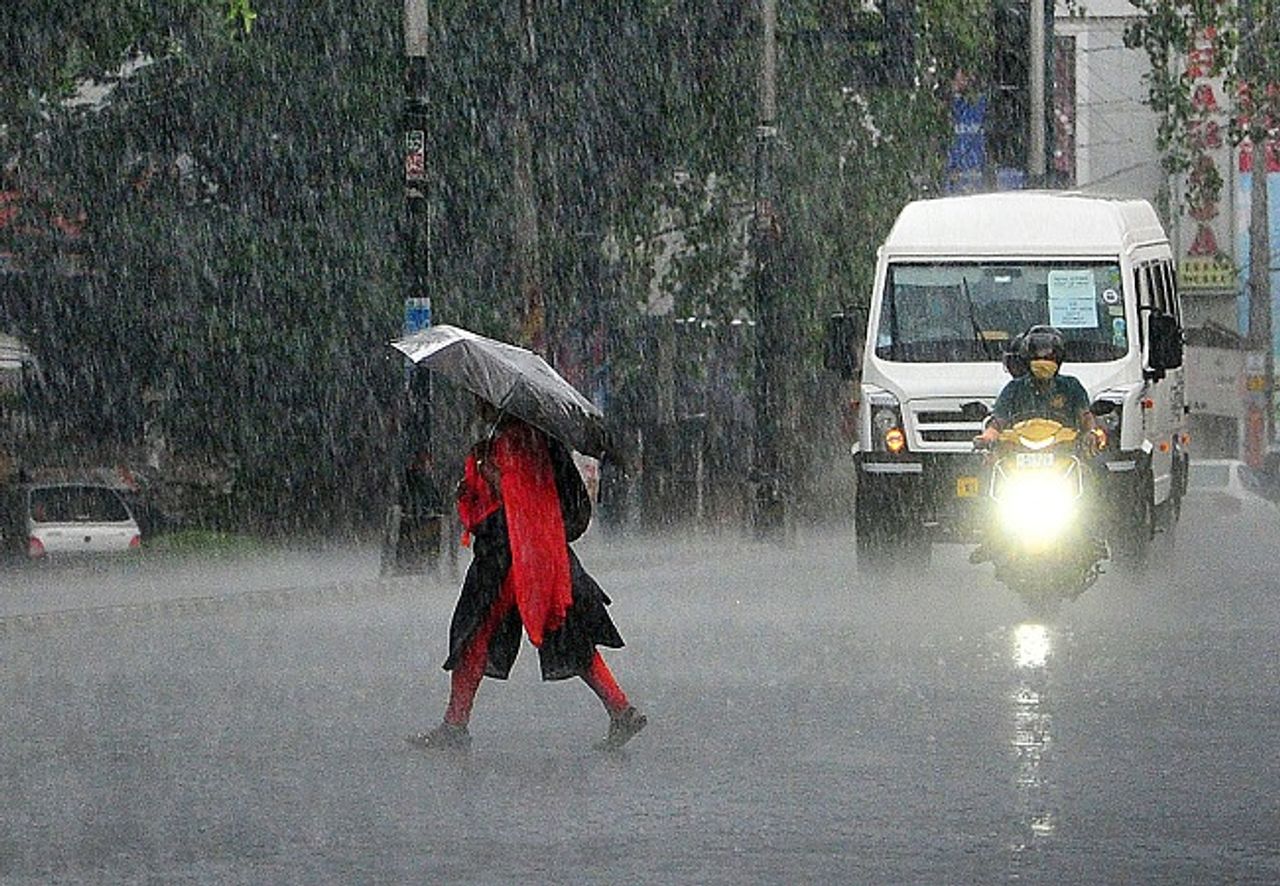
[1024, 223]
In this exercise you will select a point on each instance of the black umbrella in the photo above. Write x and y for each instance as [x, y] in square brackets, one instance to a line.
[513, 379]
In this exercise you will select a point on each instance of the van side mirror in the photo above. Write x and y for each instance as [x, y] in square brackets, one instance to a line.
[1166, 343]
[843, 344]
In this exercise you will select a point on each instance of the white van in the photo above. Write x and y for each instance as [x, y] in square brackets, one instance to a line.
[956, 279]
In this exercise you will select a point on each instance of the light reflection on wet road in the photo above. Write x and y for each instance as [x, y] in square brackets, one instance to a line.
[806, 726]
[1032, 717]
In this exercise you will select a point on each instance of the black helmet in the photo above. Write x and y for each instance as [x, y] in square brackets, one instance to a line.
[1040, 342]
[1014, 363]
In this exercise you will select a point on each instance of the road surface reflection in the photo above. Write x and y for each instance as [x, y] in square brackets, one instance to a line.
[1033, 646]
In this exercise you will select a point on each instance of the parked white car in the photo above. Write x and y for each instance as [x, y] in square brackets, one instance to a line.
[78, 518]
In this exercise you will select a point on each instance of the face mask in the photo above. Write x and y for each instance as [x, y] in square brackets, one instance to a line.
[1043, 368]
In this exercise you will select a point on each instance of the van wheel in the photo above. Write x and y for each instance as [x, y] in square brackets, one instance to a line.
[880, 551]
[1137, 527]
[888, 539]
[870, 538]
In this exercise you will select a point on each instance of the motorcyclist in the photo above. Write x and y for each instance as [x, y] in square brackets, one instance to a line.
[1041, 393]
[1038, 391]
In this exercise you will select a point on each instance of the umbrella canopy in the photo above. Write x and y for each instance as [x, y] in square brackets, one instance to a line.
[513, 379]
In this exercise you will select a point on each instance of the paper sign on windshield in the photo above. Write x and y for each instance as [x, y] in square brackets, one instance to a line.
[1073, 301]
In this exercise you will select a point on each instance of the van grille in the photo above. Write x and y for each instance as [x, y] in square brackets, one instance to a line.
[932, 417]
[947, 425]
[951, 435]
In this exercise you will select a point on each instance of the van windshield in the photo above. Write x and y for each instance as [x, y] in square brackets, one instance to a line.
[962, 312]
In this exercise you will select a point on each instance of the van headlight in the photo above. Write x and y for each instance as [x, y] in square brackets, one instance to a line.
[1110, 425]
[887, 434]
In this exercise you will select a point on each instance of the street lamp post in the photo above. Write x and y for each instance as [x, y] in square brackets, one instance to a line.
[416, 258]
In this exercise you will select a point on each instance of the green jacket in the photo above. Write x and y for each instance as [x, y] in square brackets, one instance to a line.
[1061, 398]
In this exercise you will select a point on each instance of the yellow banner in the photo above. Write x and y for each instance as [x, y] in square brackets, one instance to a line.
[1206, 273]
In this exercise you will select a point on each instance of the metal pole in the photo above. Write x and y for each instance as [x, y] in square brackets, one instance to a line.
[417, 254]
[770, 505]
[1260, 336]
[1036, 88]
[415, 28]
[1258, 248]
[525, 219]
[769, 63]
[415, 266]
[1260, 286]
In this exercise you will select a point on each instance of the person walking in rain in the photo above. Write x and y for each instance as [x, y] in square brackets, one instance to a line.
[522, 500]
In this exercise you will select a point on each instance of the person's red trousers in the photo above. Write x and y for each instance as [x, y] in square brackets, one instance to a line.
[466, 676]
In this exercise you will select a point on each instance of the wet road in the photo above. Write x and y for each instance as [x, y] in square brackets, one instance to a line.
[805, 725]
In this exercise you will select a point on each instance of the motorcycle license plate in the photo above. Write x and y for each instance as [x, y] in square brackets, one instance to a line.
[1035, 459]
[966, 487]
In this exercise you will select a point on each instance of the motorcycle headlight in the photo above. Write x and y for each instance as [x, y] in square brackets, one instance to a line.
[1037, 507]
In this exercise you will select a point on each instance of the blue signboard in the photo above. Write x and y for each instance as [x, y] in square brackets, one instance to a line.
[417, 315]
[967, 158]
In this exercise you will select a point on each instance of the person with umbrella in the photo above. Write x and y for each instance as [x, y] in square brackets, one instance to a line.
[522, 501]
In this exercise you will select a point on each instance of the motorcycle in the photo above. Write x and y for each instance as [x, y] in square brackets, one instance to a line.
[1038, 529]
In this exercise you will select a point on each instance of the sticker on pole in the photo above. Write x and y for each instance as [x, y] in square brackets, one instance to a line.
[415, 155]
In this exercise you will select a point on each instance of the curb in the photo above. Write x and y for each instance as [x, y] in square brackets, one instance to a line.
[242, 601]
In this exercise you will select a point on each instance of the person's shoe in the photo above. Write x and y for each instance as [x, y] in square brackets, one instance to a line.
[622, 728]
[446, 736]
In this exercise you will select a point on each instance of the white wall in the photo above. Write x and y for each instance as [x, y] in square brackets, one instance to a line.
[1115, 130]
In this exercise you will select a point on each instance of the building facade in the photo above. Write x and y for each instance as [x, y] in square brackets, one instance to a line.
[1103, 121]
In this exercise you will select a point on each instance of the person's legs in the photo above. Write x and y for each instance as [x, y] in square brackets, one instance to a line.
[602, 683]
[464, 681]
[624, 720]
[465, 678]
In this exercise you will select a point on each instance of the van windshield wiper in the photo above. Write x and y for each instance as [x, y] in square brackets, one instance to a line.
[973, 320]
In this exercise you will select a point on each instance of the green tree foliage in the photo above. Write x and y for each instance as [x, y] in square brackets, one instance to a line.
[50, 45]
[1187, 41]
[1168, 32]
[241, 197]
[240, 253]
